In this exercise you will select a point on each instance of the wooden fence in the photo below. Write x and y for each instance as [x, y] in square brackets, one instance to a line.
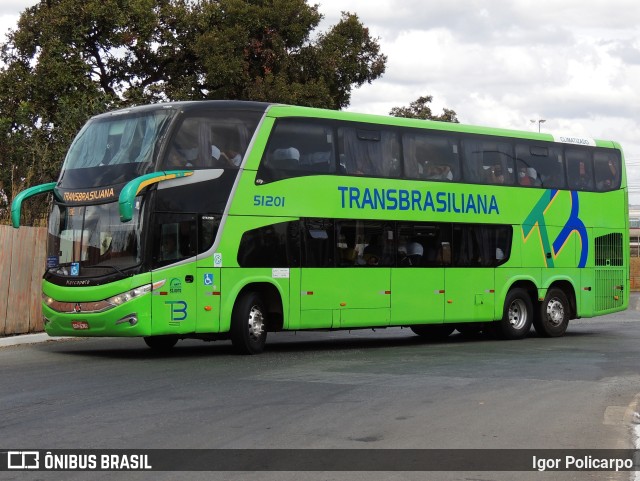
[22, 263]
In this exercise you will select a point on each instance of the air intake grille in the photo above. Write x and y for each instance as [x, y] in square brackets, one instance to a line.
[609, 250]
[609, 291]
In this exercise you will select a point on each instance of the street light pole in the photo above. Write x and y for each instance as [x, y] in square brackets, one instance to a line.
[540, 121]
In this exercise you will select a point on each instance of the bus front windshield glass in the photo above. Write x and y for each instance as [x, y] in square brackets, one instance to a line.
[91, 240]
[118, 139]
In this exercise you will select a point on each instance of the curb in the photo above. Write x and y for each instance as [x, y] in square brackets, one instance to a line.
[29, 339]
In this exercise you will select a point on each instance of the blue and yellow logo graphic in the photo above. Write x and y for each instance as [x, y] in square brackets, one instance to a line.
[573, 225]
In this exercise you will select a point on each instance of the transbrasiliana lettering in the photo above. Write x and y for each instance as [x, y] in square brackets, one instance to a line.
[417, 200]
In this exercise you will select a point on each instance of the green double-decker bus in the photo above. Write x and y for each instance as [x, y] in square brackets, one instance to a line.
[227, 220]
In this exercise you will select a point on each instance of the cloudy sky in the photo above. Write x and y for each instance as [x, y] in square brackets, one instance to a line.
[503, 63]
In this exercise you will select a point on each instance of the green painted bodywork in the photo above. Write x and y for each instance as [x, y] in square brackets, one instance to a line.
[357, 297]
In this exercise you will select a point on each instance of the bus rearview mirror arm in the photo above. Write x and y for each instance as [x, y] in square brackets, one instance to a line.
[16, 205]
[133, 188]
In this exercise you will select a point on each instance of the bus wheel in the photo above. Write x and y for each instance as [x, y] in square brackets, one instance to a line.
[433, 331]
[249, 324]
[554, 314]
[517, 317]
[161, 343]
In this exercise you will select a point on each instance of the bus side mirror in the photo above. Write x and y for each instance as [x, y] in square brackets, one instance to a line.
[16, 205]
[134, 187]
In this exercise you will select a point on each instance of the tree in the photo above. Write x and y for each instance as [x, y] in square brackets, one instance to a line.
[70, 59]
[419, 109]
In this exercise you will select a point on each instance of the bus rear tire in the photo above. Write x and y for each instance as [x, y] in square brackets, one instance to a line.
[161, 343]
[433, 331]
[249, 324]
[517, 316]
[553, 319]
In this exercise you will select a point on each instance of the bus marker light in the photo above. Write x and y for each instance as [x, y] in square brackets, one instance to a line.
[441, 291]
[164, 293]
[216, 293]
[307, 293]
[449, 301]
[207, 308]
[617, 298]
[343, 304]
[586, 288]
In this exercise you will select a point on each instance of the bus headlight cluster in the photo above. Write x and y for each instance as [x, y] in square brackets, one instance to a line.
[120, 299]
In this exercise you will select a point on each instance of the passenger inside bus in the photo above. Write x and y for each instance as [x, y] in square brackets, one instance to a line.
[176, 160]
[495, 174]
[434, 171]
[411, 254]
[608, 176]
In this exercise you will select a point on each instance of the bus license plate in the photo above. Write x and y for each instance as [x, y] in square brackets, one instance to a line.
[80, 325]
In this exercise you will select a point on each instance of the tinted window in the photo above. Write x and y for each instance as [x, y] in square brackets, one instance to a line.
[541, 165]
[318, 243]
[275, 245]
[481, 245]
[579, 169]
[365, 244]
[175, 238]
[214, 140]
[424, 245]
[430, 157]
[298, 148]
[488, 162]
[607, 170]
[368, 151]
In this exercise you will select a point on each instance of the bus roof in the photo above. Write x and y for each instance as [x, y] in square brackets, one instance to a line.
[295, 111]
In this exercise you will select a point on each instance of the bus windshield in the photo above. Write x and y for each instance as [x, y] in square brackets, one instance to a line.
[91, 241]
[118, 139]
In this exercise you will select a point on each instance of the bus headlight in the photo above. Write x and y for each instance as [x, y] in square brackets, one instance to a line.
[120, 299]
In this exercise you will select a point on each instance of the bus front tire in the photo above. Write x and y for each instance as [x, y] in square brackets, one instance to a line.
[161, 343]
[433, 331]
[553, 318]
[517, 316]
[249, 324]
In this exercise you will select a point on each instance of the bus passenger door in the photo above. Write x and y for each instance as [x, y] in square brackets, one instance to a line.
[346, 278]
[173, 304]
[470, 281]
[417, 284]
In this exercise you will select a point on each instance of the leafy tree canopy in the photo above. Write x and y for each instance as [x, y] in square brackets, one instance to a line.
[419, 109]
[70, 59]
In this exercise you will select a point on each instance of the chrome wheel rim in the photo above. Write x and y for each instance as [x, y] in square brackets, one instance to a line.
[517, 314]
[555, 312]
[256, 323]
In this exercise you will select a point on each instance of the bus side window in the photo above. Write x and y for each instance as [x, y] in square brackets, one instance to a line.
[607, 171]
[488, 162]
[540, 165]
[297, 148]
[369, 152]
[175, 238]
[274, 245]
[430, 157]
[579, 170]
[318, 242]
